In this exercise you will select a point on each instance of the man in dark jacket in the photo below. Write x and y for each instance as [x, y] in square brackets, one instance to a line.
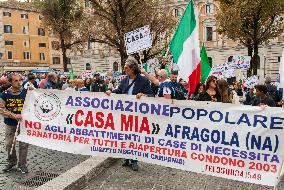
[262, 98]
[98, 84]
[133, 84]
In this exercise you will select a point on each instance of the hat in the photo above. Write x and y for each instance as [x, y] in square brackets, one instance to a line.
[96, 74]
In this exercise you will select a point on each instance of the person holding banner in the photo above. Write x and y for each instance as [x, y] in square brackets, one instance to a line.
[11, 105]
[133, 84]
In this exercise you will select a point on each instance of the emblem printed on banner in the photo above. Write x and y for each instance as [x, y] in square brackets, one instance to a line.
[47, 107]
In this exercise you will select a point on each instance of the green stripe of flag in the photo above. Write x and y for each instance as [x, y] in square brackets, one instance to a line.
[205, 66]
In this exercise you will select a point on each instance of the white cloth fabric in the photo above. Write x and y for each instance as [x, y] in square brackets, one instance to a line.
[131, 88]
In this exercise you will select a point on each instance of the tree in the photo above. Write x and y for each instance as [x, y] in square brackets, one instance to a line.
[252, 23]
[64, 18]
[113, 18]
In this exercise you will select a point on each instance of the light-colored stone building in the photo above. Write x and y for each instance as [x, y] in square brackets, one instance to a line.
[219, 48]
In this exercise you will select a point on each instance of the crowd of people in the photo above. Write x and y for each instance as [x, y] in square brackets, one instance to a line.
[137, 82]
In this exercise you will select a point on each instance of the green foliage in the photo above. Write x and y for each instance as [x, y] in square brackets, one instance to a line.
[65, 20]
[252, 22]
[113, 18]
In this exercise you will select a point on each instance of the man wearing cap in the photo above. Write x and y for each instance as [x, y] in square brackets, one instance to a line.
[98, 84]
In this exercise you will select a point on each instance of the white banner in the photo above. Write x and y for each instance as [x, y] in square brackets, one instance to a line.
[251, 81]
[138, 40]
[223, 71]
[152, 64]
[242, 143]
[241, 62]
[87, 74]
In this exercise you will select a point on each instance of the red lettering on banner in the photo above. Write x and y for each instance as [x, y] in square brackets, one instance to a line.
[157, 150]
[77, 121]
[145, 126]
[46, 135]
[99, 117]
[123, 144]
[89, 119]
[81, 140]
[109, 122]
[127, 124]
[32, 125]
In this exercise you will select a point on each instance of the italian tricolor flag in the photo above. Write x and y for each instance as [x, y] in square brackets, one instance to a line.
[185, 48]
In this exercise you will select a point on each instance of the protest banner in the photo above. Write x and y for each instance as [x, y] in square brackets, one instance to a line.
[138, 40]
[151, 65]
[251, 81]
[223, 71]
[242, 143]
[241, 62]
[86, 74]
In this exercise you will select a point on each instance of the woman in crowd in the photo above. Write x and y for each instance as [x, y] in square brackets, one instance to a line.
[224, 91]
[198, 90]
[210, 93]
[72, 85]
[88, 84]
[81, 86]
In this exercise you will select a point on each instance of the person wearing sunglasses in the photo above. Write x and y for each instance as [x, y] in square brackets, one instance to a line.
[210, 92]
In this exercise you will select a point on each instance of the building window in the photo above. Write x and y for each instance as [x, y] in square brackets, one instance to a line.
[209, 33]
[42, 45]
[8, 42]
[68, 61]
[24, 16]
[230, 59]
[25, 30]
[8, 14]
[8, 29]
[210, 61]
[56, 60]
[176, 12]
[88, 3]
[40, 17]
[279, 59]
[26, 55]
[115, 66]
[208, 8]
[26, 43]
[41, 32]
[41, 56]
[9, 55]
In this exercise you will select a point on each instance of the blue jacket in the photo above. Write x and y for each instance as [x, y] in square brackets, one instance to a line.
[141, 85]
[49, 85]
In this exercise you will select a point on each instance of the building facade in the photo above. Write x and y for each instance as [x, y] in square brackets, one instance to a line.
[24, 42]
[220, 48]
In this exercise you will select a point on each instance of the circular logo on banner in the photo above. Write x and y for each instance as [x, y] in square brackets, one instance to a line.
[47, 107]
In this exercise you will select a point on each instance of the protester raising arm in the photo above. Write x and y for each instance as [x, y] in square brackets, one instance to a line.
[152, 78]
